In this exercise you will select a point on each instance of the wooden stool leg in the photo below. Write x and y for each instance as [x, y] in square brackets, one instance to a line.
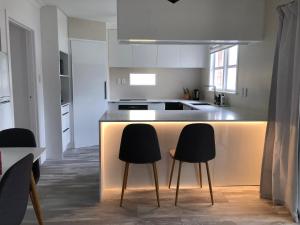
[209, 182]
[125, 177]
[156, 183]
[178, 182]
[35, 201]
[171, 175]
[200, 175]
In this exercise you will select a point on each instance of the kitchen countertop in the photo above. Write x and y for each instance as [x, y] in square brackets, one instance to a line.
[204, 113]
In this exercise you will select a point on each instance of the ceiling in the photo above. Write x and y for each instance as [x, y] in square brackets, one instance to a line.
[99, 10]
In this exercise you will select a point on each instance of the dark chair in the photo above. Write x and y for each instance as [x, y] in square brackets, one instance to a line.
[196, 144]
[139, 145]
[14, 190]
[19, 137]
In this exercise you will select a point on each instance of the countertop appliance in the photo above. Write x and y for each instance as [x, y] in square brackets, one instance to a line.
[133, 107]
[196, 94]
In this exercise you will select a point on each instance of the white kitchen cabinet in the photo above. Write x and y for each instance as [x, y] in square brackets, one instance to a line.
[144, 55]
[4, 76]
[120, 55]
[155, 56]
[168, 56]
[3, 42]
[63, 41]
[193, 56]
[65, 125]
[89, 66]
[6, 118]
[156, 106]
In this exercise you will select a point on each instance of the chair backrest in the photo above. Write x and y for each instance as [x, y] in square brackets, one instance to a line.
[14, 192]
[17, 137]
[20, 137]
[196, 143]
[139, 144]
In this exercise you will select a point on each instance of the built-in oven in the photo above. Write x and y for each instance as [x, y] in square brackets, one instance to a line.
[133, 107]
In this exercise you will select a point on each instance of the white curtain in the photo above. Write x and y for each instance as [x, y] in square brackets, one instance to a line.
[280, 171]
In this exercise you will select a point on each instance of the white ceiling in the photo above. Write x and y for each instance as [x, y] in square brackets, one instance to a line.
[99, 10]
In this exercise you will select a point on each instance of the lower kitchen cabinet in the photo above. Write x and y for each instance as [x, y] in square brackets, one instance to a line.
[65, 121]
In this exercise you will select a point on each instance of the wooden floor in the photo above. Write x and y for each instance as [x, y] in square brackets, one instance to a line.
[69, 195]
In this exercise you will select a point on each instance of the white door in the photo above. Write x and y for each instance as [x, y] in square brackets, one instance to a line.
[89, 66]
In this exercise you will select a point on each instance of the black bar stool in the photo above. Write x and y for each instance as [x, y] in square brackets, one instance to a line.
[139, 145]
[196, 144]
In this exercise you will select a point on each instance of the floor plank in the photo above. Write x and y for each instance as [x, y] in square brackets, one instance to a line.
[69, 195]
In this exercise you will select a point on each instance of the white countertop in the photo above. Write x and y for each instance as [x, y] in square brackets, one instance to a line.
[206, 113]
[9, 156]
[200, 113]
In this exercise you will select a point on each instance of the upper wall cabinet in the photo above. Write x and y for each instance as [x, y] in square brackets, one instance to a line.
[144, 55]
[3, 43]
[156, 56]
[120, 55]
[193, 56]
[168, 56]
[63, 41]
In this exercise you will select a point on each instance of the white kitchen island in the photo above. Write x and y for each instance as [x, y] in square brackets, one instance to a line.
[239, 139]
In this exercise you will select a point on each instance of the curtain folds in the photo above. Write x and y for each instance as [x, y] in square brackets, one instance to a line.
[280, 169]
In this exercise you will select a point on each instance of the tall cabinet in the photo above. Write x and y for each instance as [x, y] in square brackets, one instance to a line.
[57, 81]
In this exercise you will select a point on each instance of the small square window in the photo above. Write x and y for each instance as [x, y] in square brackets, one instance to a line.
[142, 79]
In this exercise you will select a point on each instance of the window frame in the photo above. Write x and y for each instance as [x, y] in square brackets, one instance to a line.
[225, 67]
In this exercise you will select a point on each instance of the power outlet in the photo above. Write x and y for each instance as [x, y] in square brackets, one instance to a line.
[244, 92]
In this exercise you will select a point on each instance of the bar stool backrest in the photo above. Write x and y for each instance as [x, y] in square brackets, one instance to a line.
[139, 144]
[14, 191]
[196, 144]
[19, 137]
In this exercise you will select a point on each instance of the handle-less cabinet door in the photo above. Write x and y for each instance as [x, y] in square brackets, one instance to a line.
[145, 55]
[89, 67]
[3, 39]
[168, 56]
[6, 120]
[193, 56]
[4, 76]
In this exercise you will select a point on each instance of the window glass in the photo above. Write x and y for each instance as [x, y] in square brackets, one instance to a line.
[233, 55]
[219, 59]
[219, 79]
[142, 79]
[231, 79]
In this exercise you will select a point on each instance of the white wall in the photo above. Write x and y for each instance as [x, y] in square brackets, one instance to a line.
[27, 13]
[87, 29]
[255, 66]
[169, 83]
[20, 79]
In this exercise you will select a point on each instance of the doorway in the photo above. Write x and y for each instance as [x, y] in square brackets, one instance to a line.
[23, 83]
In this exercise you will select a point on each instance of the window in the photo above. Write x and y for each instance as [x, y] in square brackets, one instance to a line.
[223, 69]
[142, 79]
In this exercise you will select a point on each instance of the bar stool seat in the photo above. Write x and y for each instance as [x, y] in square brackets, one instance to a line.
[196, 144]
[139, 145]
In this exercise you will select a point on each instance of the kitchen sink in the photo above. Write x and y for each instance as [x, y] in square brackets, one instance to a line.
[204, 103]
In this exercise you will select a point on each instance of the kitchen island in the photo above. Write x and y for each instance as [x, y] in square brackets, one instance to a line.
[239, 138]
